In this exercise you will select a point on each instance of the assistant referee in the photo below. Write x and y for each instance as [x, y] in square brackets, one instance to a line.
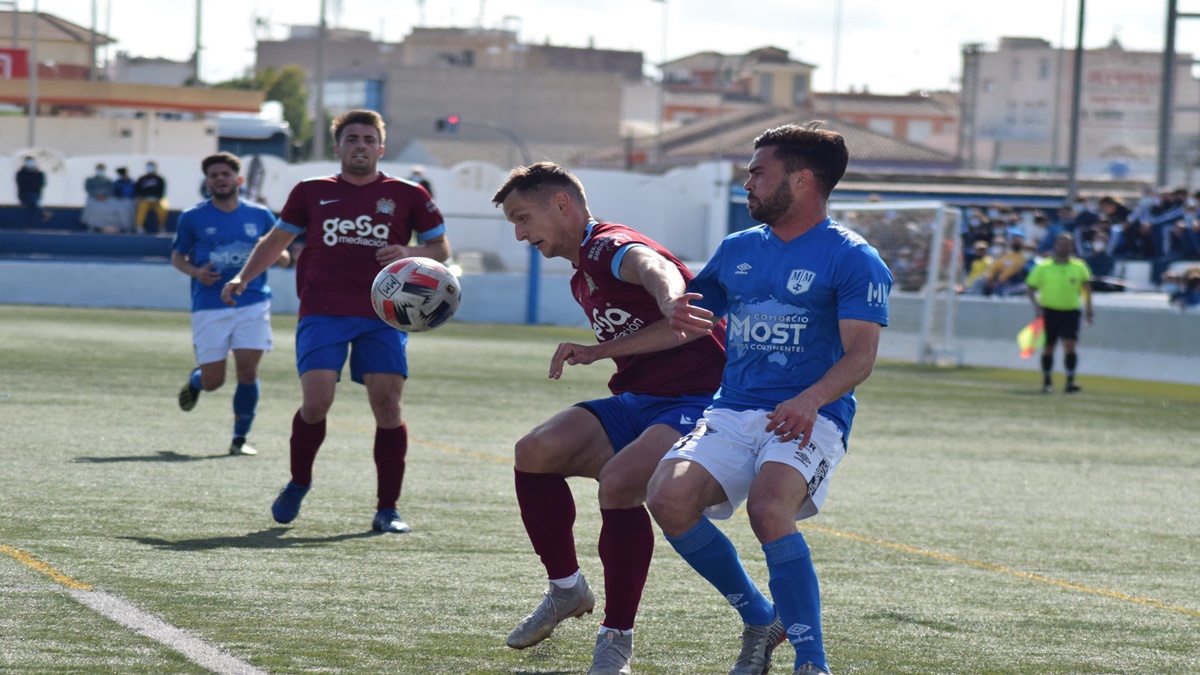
[1057, 288]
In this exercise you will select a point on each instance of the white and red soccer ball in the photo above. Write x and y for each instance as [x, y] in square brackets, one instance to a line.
[415, 294]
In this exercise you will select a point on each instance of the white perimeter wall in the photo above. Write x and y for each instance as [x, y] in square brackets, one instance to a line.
[1143, 343]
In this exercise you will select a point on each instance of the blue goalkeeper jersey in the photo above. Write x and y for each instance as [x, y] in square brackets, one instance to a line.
[783, 302]
[208, 234]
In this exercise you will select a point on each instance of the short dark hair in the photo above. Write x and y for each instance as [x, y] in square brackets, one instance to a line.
[368, 117]
[221, 158]
[806, 147]
[543, 178]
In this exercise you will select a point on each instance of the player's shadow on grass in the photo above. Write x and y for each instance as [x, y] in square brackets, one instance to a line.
[269, 538]
[160, 456]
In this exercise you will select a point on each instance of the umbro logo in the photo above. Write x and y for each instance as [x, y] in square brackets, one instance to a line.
[684, 420]
[743, 268]
[796, 631]
[329, 201]
[735, 599]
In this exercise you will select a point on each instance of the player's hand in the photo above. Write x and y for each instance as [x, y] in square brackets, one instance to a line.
[208, 275]
[687, 318]
[793, 420]
[390, 254]
[233, 288]
[571, 354]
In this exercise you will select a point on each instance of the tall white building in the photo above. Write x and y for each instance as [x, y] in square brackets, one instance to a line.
[1016, 110]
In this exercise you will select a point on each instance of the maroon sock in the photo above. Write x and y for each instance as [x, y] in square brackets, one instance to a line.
[626, 546]
[306, 441]
[548, 511]
[391, 448]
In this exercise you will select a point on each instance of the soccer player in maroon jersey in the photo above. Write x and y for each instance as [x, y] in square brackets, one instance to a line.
[354, 223]
[625, 283]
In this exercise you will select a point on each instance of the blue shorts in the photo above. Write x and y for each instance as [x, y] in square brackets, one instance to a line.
[322, 343]
[625, 416]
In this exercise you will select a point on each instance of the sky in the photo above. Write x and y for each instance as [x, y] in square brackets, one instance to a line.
[885, 46]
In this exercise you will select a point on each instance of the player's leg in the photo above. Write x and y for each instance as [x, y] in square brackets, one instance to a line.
[791, 484]
[378, 361]
[713, 473]
[627, 541]
[211, 330]
[251, 339]
[571, 443]
[626, 533]
[245, 399]
[321, 349]
[390, 449]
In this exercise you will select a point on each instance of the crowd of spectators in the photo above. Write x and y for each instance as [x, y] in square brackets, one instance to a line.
[121, 204]
[1002, 244]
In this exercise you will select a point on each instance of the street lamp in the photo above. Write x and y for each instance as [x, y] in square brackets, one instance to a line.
[662, 88]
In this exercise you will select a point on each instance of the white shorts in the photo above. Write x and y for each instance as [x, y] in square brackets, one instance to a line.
[217, 331]
[733, 445]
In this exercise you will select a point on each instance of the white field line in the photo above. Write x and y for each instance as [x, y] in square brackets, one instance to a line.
[203, 653]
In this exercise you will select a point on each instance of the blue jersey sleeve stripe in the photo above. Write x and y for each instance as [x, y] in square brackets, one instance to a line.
[619, 256]
[288, 227]
[436, 232]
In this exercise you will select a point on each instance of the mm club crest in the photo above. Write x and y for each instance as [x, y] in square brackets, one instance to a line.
[386, 207]
[251, 229]
[800, 281]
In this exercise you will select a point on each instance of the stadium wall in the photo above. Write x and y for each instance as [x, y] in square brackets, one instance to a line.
[1131, 341]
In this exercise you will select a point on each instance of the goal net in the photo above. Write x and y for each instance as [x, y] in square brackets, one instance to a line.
[920, 242]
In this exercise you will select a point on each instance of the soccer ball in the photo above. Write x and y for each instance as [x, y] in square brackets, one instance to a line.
[415, 294]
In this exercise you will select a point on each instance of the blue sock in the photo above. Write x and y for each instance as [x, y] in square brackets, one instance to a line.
[797, 596]
[245, 405]
[195, 379]
[710, 553]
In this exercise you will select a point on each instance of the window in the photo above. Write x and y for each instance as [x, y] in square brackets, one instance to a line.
[920, 131]
[799, 90]
[766, 83]
[1044, 69]
[882, 125]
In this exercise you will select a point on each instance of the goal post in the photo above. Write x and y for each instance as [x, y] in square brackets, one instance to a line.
[921, 243]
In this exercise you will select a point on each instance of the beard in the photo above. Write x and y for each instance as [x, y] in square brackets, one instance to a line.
[227, 193]
[773, 206]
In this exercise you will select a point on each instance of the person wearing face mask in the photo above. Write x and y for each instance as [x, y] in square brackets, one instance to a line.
[30, 182]
[98, 188]
[149, 191]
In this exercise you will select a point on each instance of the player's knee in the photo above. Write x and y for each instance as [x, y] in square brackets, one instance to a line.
[670, 509]
[619, 490]
[533, 454]
[313, 410]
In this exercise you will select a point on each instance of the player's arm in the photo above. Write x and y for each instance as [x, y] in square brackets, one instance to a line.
[204, 274]
[795, 417]
[268, 250]
[437, 248]
[653, 338]
[682, 322]
[644, 267]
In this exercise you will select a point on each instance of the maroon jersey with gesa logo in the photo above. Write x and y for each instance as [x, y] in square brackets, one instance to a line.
[616, 308]
[344, 226]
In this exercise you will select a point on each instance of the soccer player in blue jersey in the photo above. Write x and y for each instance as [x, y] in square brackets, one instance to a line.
[212, 241]
[805, 300]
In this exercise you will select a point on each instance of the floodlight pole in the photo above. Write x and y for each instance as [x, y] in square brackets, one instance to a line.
[318, 137]
[1076, 95]
[33, 78]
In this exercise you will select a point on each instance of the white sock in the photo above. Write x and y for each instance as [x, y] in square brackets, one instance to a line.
[618, 631]
[568, 582]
